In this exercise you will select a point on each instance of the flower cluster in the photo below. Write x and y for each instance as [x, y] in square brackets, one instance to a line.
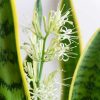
[48, 87]
[56, 20]
[57, 48]
[61, 47]
[46, 91]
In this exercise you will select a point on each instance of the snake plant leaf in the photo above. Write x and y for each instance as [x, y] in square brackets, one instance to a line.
[86, 80]
[70, 65]
[11, 87]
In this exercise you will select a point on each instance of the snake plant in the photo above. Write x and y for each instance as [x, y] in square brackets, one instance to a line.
[86, 80]
[18, 82]
[11, 74]
[70, 65]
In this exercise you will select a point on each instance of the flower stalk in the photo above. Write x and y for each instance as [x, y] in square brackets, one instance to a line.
[42, 59]
[41, 54]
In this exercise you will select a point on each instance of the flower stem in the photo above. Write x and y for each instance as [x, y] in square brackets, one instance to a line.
[42, 58]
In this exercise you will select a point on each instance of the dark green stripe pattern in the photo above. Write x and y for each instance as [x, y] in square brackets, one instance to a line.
[87, 80]
[11, 87]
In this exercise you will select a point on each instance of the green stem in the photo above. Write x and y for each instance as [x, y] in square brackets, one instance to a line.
[42, 58]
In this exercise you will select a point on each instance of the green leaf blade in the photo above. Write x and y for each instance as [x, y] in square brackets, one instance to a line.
[11, 86]
[86, 84]
[70, 65]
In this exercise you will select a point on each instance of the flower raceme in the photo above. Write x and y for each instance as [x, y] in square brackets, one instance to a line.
[55, 26]
[58, 48]
[56, 21]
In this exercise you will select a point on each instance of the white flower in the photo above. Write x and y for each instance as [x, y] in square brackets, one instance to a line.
[56, 20]
[36, 26]
[48, 89]
[65, 52]
[30, 75]
[68, 34]
[32, 49]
